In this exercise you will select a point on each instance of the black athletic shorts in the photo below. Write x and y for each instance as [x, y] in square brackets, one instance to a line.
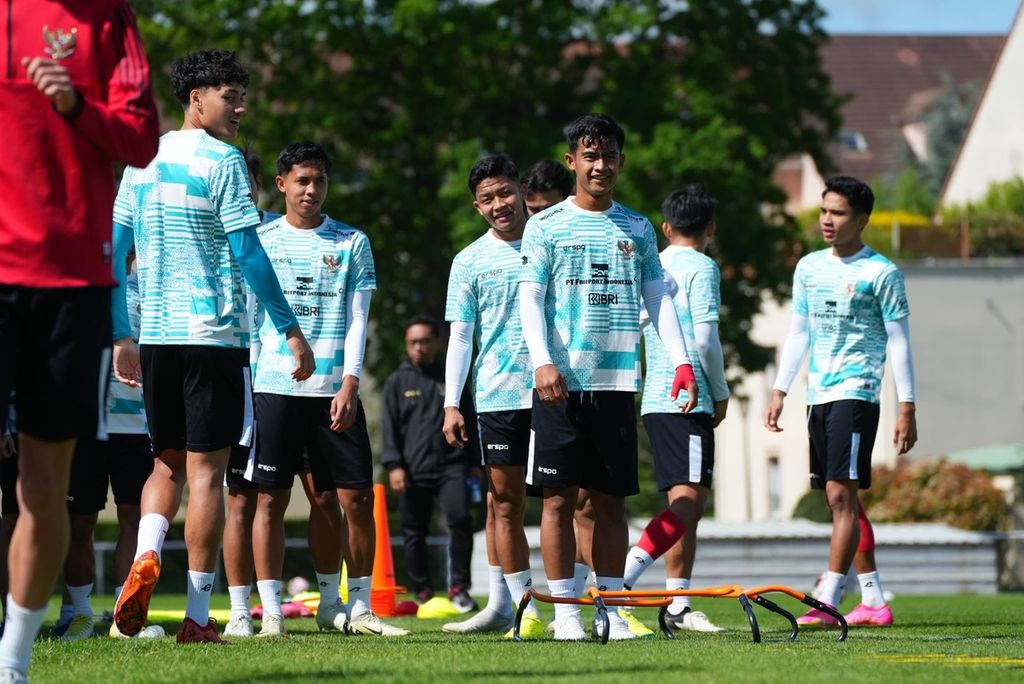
[124, 462]
[240, 463]
[55, 351]
[197, 398]
[842, 435]
[9, 484]
[587, 441]
[504, 437]
[294, 435]
[684, 448]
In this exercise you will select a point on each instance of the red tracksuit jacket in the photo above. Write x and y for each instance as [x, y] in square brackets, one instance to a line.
[56, 175]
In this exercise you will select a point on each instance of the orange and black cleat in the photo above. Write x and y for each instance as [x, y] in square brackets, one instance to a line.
[132, 607]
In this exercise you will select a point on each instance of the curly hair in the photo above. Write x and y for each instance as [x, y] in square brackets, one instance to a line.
[204, 69]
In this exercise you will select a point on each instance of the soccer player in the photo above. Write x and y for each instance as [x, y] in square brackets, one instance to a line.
[544, 185]
[849, 302]
[586, 262]
[683, 443]
[328, 272]
[483, 304]
[75, 98]
[193, 222]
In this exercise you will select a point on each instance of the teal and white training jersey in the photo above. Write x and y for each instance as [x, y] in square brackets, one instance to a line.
[483, 289]
[847, 302]
[697, 300]
[126, 411]
[594, 265]
[181, 208]
[317, 269]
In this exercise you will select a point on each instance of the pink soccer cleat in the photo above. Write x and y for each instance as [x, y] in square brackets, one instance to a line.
[817, 618]
[866, 616]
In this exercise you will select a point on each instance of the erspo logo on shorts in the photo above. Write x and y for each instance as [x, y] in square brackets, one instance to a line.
[548, 471]
[498, 447]
[268, 468]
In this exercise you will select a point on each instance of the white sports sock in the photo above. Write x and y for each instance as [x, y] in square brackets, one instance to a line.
[562, 588]
[152, 530]
[80, 599]
[498, 598]
[240, 599]
[358, 595]
[20, 630]
[329, 586]
[871, 594]
[637, 560]
[679, 603]
[270, 596]
[581, 571]
[832, 585]
[200, 589]
[610, 584]
[518, 584]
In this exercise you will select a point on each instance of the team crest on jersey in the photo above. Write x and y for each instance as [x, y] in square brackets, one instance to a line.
[851, 288]
[332, 262]
[626, 248]
[59, 44]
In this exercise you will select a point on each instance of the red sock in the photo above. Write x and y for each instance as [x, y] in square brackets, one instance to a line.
[867, 532]
[661, 533]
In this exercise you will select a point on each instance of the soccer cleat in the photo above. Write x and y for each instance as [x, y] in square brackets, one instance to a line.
[570, 628]
[239, 626]
[461, 599]
[618, 628]
[150, 632]
[530, 627]
[487, 620]
[692, 621]
[8, 675]
[80, 627]
[331, 617]
[866, 616]
[61, 626]
[273, 626]
[817, 618]
[369, 623]
[191, 633]
[132, 607]
[638, 628]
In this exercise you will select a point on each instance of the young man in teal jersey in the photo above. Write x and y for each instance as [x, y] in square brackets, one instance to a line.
[849, 304]
[191, 218]
[315, 428]
[483, 304]
[586, 263]
[683, 443]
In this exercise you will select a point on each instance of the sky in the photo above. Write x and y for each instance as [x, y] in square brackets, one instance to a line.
[919, 16]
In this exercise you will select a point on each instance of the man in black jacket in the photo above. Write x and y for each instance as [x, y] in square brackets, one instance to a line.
[422, 466]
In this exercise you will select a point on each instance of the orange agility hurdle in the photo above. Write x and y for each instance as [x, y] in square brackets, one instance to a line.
[661, 598]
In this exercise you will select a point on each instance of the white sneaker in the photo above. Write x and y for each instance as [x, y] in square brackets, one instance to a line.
[693, 621]
[369, 623]
[273, 626]
[570, 628]
[239, 626]
[618, 628]
[8, 675]
[148, 632]
[331, 617]
[487, 620]
[80, 627]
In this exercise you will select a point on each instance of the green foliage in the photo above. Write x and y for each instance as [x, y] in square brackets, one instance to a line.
[812, 506]
[407, 94]
[996, 222]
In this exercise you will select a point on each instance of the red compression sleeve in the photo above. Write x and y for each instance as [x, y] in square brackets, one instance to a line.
[867, 532]
[661, 533]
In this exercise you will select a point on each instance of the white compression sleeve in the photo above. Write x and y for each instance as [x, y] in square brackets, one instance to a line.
[456, 362]
[902, 359]
[712, 360]
[671, 286]
[355, 331]
[535, 332]
[793, 352]
[663, 314]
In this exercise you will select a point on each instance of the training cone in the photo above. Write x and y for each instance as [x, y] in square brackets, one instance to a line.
[383, 588]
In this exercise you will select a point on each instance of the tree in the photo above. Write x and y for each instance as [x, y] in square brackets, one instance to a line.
[409, 93]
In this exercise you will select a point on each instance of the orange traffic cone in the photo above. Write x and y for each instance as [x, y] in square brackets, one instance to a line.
[382, 588]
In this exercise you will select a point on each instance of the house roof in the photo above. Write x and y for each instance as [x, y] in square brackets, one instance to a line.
[891, 78]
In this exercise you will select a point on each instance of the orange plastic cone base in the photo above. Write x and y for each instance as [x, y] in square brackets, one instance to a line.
[383, 587]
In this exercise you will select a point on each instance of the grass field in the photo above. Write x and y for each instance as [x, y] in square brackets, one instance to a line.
[937, 639]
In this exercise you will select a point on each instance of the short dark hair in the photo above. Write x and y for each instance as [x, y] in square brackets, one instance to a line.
[252, 162]
[689, 210]
[547, 175]
[423, 319]
[204, 69]
[493, 166]
[856, 192]
[303, 153]
[599, 128]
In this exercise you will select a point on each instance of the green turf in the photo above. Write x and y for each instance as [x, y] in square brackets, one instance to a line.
[937, 639]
